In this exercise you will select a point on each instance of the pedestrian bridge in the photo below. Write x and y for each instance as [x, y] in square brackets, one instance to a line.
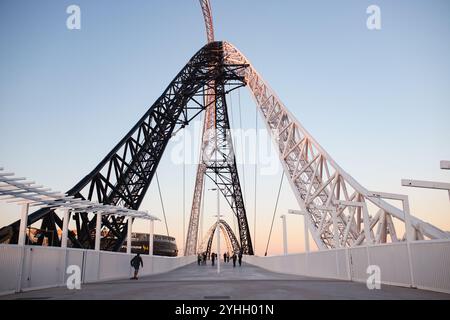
[193, 282]
[39, 273]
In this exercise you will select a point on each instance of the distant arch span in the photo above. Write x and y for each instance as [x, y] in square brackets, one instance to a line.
[230, 238]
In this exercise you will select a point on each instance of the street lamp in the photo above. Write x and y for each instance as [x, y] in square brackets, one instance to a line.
[285, 245]
[305, 223]
[218, 227]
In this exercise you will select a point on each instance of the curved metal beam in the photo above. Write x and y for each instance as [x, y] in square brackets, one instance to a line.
[341, 212]
[122, 178]
[207, 15]
[230, 238]
[207, 135]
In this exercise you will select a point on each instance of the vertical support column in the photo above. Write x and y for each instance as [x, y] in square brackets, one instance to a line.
[150, 242]
[64, 236]
[218, 247]
[23, 224]
[98, 227]
[65, 229]
[129, 229]
[218, 226]
[307, 248]
[366, 221]
[305, 224]
[21, 242]
[335, 228]
[285, 244]
[409, 231]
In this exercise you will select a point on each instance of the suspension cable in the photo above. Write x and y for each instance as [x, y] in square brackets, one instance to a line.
[162, 203]
[256, 175]
[184, 190]
[274, 212]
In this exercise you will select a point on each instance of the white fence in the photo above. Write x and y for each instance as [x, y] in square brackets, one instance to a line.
[419, 264]
[24, 268]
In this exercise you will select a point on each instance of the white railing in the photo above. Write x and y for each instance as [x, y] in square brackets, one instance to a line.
[24, 268]
[419, 264]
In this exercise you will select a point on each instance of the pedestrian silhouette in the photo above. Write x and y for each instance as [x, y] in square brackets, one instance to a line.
[136, 262]
[204, 258]
[213, 258]
[234, 258]
[225, 257]
[199, 258]
[240, 258]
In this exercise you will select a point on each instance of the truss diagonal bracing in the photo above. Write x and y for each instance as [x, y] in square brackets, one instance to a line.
[124, 175]
[217, 161]
[340, 211]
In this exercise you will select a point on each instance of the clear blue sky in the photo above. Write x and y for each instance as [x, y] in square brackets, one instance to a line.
[377, 101]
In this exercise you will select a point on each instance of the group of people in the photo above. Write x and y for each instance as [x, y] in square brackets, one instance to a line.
[137, 262]
[202, 257]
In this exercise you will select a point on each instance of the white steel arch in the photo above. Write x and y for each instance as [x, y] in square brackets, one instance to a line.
[341, 212]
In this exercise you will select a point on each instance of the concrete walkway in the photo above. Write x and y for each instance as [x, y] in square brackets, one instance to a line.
[240, 283]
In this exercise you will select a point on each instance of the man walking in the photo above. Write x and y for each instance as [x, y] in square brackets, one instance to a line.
[240, 258]
[234, 258]
[136, 262]
[213, 258]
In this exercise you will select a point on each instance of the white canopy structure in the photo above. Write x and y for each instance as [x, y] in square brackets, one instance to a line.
[21, 191]
[27, 193]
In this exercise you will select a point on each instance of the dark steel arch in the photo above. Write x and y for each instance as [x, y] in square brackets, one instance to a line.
[227, 231]
[124, 175]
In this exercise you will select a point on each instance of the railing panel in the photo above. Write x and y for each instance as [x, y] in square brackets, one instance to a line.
[358, 263]
[43, 267]
[431, 265]
[393, 262]
[9, 262]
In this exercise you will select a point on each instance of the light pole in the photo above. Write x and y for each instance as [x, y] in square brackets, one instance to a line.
[218, 227]
[285, 245]
[305, 224]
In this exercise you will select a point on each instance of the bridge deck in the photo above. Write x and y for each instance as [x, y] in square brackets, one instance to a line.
[246, 282]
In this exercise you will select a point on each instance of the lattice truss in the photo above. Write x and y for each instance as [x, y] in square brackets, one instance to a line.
[124, 175]
[208, 136]
[230, 238]
[341, 212]
[217, 160]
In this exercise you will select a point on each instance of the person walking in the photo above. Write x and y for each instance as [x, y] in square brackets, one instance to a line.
[213, 258]
[240, 258]
[199, 258]
[225, 257]
[234, 258]
[136, 262]
[204, 258]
